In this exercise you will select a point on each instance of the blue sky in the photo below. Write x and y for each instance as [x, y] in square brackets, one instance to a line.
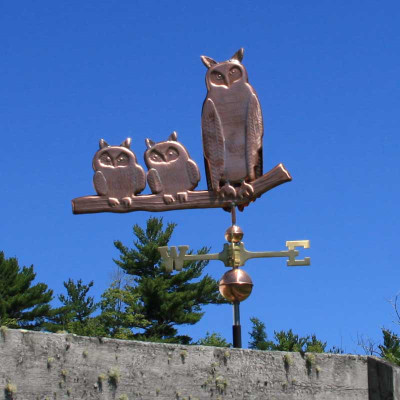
[327, 76]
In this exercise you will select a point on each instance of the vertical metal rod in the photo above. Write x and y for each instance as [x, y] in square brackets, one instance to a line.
[236, 328]
[233, 213]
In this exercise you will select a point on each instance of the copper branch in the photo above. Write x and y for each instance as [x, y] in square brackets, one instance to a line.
[195, 199]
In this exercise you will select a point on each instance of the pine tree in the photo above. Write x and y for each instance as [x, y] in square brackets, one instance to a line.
[288, 341]
[75, 314]
[161, 300]
[22, 304]
[258, 336]
[213, 339]
[80, 305]
[120, 311]
[390, 349]
[285, 340]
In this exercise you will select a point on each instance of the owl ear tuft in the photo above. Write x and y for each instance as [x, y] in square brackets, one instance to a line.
[238, 55]
[173, 136]
[126, 143]
[103, 143]
[149, 143]
[208, 61]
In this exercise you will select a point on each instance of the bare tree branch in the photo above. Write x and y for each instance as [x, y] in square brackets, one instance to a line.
[369, 347]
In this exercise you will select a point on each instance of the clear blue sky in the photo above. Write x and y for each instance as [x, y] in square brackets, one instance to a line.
[327, 75]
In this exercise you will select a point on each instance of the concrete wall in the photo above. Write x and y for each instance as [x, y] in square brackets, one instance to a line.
[41, 366]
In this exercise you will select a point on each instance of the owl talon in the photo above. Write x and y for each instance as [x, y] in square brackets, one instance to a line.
[112, 201]
[168, 198]
[126, 201]
[182, 197]
[227, 191]
[245, 190]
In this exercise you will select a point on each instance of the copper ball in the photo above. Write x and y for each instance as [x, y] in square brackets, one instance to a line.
[234, 234]
[235, 285]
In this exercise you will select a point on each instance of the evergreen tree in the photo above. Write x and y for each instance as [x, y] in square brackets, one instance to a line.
[75, 315]
[390, 349]
[258, 336]
[22, 304]
[80, 305]
[288, 341]
[284, 340]
[213, 339]
[120, 311]
[161, 300]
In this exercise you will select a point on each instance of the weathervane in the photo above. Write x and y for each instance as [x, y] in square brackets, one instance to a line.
[232, 132]
[236, 284]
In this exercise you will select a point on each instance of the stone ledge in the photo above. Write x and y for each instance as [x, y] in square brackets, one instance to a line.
[65, 366]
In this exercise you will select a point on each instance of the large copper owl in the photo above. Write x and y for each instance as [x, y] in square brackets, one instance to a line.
[171, 171]
[232, 128]
[117, 174]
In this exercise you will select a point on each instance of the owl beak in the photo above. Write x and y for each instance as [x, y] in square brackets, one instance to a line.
[226, 80]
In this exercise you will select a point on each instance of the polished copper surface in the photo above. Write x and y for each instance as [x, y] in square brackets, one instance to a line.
[171, 170]
[195, 199]
[235, 285]
[232, 132]
[118, 177]
[234, 234]
[232, 128]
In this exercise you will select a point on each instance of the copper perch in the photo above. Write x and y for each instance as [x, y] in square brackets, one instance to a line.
[195, 199]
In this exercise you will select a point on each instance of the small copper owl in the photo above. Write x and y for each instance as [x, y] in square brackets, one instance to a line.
[232, 128]
[118, 176]
[171, 171]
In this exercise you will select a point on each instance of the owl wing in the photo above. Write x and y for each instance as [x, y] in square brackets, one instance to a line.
[140, 179]
[254, 135]
[193, 173]
[100, 183]
[154, 181]
[213, 144]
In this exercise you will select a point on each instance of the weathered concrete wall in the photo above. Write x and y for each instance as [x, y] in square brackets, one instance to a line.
[41, 366]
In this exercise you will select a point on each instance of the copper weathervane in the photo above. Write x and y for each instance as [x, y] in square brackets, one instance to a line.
[232, 133]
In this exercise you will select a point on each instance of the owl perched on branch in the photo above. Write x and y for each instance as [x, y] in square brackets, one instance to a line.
[117, 174]
[171, 171]
[232, 128]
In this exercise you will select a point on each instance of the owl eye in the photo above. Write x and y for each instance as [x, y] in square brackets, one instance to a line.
[235, 74]
[172, 154]
[155, 157]
[105, 159]
[122, 159]
[217, 78]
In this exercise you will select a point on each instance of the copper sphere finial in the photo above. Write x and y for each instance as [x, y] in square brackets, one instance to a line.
[235, 285]
[234, 234]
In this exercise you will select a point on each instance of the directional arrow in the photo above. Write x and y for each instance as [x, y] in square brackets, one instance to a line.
[233, 255]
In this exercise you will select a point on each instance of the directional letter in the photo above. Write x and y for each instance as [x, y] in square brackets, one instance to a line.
[291, 245]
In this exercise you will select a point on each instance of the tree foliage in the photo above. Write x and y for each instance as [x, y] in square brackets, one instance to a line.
[156, 301]
[22, 304]
[284, 340]
[77, 301]
[213, 339]
[120, 311]
[390, 349]
[75, 314]
[258, 335]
